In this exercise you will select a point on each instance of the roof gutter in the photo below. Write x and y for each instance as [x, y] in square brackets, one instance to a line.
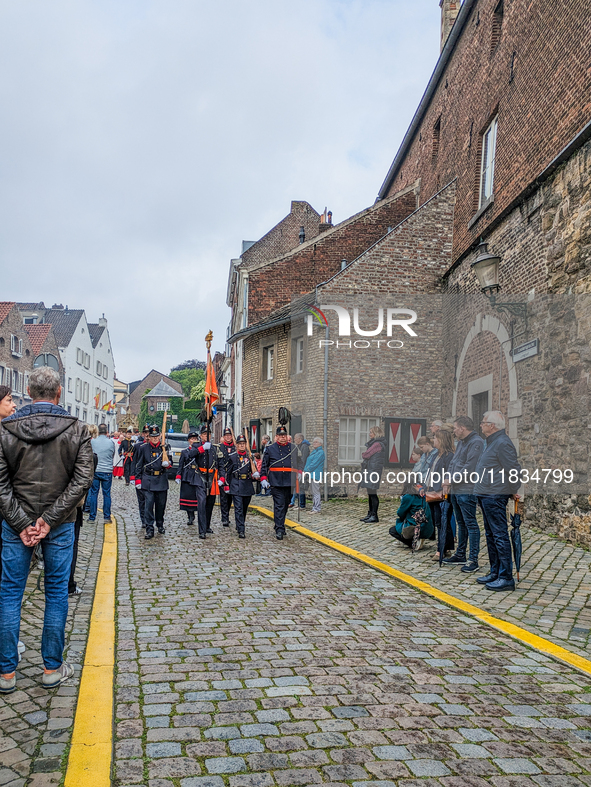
[258, 327]
[428, 94]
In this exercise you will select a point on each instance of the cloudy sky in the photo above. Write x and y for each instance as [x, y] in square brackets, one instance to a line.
[142, 141]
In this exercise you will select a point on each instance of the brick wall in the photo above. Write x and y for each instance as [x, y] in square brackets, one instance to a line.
[272, 286]
[150, 381]
[284, 236]
[13, 325]
[542, 103]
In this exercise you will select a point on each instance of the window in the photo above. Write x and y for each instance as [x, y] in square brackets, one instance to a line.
[487, 165]
[69, 409]
[78, 392]
[69, 385]
[16, 346]
[497, 26]
[26, 385]
[267, 427]
[245, 304]
[436, 140]
[30, 321]
[47, 359]
[268, 361]
[79, 356]
[297, 355]
[2, 373]
[99, 368]
[86, 361]
[84, 415]
[353, 435]
[77, 412]
[162, 406]
[85, 393]
[105, 371]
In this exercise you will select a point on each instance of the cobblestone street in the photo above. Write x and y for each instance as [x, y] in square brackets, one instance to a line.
[552, 598]
[258, 663]
[261, 662]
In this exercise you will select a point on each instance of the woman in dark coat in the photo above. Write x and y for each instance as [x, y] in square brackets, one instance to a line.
[443, 442]
[374, 459]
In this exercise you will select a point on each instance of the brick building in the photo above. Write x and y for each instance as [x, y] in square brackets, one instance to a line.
[139, 388]
[498, 151]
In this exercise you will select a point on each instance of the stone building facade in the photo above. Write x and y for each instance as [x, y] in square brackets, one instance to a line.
[138, 388]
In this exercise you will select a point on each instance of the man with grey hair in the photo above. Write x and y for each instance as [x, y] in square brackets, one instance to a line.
[493, 490]
[46, 466]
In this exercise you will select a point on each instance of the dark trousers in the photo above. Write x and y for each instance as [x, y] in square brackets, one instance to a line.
[436, 516]
[77, 526]
[464, 507]
[374, 502]
[241, 503]
[209, 506]
[155, 506]
[127, 470]
[141, 504]
[494, 513]
[225, 505]
[201, 511]
[281, 500]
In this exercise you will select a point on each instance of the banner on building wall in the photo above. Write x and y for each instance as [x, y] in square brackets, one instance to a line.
[254, 430]
[401, 436]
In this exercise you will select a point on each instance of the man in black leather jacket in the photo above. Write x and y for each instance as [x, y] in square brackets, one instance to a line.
[46, 466]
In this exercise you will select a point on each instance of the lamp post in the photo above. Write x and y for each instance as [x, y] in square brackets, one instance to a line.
[486, 268]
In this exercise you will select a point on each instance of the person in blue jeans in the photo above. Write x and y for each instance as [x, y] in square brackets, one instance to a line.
[46, 466]
[104, 448]
[463, 466]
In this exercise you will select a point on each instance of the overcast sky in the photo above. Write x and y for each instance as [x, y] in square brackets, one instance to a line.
[142, 141]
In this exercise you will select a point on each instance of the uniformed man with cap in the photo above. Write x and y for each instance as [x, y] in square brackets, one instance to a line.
[151, 475]
[276, 472]
[192, 493]
[238, 478]
[227, 448]
[208, 463]
[126, 451]
[141, 501]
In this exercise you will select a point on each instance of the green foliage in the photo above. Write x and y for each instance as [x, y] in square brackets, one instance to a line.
[198, 392]
[188, 378]
[145, 417]
[191, 415]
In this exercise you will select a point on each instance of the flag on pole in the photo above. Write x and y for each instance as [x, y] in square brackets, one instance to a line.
[97, 400]
[211, 389]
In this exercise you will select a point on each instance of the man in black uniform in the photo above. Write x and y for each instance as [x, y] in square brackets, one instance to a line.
[141, 501]
[238, 478]
[276, 473]
[151, 474]
[189, 477]
[227, 448]
[126, 451]
[209, 465]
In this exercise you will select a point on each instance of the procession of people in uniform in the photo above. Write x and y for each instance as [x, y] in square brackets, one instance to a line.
[205, 471]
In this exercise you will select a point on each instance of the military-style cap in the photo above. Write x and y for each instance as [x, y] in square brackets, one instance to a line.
[241, 438]
[129, 431]
[203, 429]
[227, 430]
[281, 430]
[146, 428]
[192, 434]
[154, 429]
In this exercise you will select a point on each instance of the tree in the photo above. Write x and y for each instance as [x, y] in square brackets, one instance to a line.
[188, 378]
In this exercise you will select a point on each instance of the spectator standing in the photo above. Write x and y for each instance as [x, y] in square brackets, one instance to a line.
[7, 407]
[104, 449]
[463, 464]
[497, 460]
[41, 440]
[374, 459]
[439, 508]
[117, 459]
[315, 466]
[126, 452]
[300, 457]
[428, 454]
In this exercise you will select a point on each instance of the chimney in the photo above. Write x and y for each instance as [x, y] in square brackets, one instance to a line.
[102, 321]
[449, 11]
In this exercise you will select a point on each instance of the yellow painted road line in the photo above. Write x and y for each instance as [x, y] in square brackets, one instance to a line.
[92, 739]
[518, 633]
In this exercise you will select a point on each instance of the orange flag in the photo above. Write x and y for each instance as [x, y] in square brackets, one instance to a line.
[211, 389]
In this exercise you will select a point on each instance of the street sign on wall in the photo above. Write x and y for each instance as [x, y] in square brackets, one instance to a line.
[401, 436]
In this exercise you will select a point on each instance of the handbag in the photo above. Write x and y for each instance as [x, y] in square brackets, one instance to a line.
[434, 497]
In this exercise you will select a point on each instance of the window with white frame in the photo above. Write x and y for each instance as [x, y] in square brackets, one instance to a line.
[99, 368]
[299, 355]
[69, 385]
[86, 393]
[86, 361]
[79, 356]
[16, 346]
[245, 304]
[77, 412]
[84, 415]
[26, 385]
[487, 164]
[353, 435]
[163, 406]
[2, 375]
[268, 362]
[105, 371]
[267, 427]
[78, 391]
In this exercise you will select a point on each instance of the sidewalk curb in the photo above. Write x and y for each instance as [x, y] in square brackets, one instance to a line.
[516, 632]
[92, 738]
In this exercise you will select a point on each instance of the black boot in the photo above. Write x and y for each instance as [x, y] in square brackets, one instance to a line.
[149, 532]
[161, 529]
[191, 519]
[241, 534]
[209, 530]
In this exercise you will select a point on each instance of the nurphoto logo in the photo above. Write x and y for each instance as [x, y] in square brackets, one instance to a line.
[393, 317]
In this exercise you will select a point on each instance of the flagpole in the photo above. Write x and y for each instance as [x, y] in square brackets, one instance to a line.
[208, 340]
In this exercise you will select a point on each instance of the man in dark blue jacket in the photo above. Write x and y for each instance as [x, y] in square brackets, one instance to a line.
[463, 465]
[496, 468]
[276, 473]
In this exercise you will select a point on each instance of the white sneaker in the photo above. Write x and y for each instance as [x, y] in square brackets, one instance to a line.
[58, 676]
[420, 544]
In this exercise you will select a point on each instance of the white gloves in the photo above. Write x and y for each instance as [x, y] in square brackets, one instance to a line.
[165, 464]
[207, 445]
[178, 480]
[265, 484]
[256, 475]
